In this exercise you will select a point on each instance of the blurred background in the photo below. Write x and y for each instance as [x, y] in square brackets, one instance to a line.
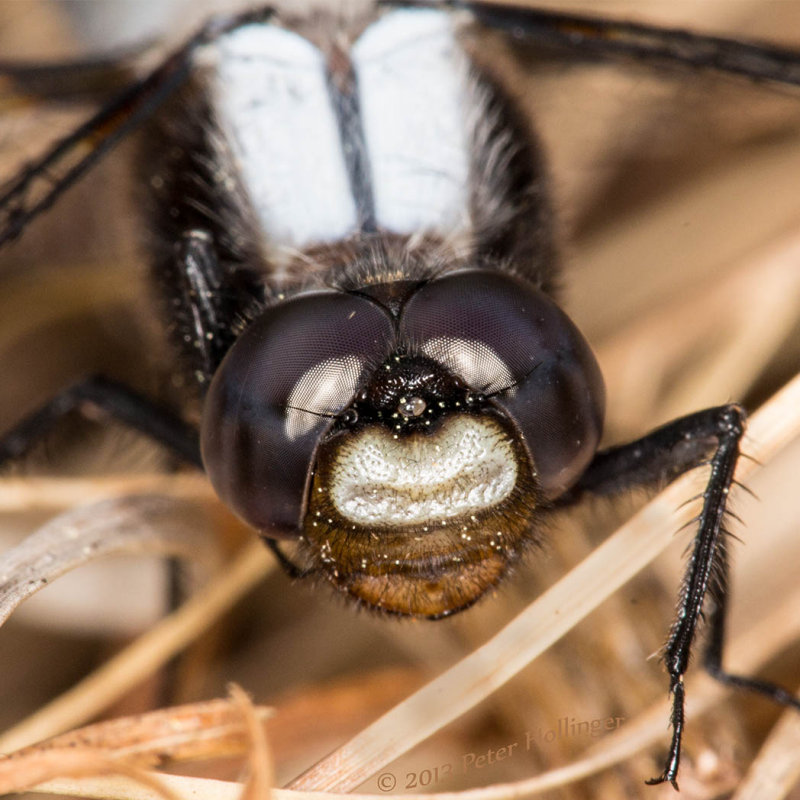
[678, 208]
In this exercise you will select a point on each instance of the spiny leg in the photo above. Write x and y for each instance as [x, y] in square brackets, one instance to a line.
[710, 436]
[703, 568]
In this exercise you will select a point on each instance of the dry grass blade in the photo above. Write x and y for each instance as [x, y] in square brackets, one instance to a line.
[261, 780]
[747, 652]
[146, 654]
[88, 763]
[120, 787]
[200, 730]
[37, 493]
[475, 677]
[126, 525]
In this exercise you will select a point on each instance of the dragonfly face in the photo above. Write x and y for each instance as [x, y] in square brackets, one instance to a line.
[406, 425]
[401, 445]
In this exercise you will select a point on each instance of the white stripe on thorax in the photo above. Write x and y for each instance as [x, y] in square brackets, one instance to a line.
[272, 102]
[411, 74]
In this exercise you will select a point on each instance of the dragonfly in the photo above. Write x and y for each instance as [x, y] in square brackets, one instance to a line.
[353, 247]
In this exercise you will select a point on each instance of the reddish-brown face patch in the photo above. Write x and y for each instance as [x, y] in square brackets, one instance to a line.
[466, 489]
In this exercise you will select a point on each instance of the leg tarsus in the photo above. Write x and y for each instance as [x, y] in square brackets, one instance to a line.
[677, 720]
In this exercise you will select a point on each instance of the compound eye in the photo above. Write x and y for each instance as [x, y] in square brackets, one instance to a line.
[510, 342]
[277, 391]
